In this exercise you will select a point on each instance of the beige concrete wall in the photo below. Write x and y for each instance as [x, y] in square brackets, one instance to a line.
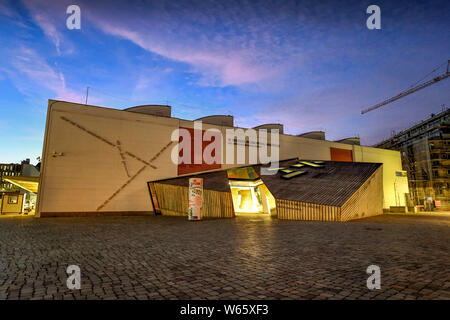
[91, 171]
[394, 187]
[90, 176]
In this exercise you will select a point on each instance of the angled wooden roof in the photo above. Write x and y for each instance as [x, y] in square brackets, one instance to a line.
[332, 183]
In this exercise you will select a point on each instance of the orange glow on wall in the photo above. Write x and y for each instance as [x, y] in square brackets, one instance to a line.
[338, 154]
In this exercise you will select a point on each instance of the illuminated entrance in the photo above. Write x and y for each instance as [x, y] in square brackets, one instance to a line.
[309, 190]
[249, 193]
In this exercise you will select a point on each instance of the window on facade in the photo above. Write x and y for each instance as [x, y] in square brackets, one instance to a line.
[13, 199]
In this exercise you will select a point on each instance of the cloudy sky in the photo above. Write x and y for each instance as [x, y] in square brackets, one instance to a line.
[311, 65]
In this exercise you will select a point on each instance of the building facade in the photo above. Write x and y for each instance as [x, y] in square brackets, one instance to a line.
[9, 170]
[97, 161]
[13, 197]
[425, 151]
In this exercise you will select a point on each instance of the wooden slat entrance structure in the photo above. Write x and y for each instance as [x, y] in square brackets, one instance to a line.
[173, 201]
[331, 191]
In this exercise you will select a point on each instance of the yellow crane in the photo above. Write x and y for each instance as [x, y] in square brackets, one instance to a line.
[413, 89]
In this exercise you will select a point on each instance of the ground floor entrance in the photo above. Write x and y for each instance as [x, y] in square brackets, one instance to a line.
[251, 197]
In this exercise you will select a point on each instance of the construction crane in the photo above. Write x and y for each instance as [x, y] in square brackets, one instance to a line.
[411, 90]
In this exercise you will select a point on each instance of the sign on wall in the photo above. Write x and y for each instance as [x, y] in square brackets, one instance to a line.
[195, 207]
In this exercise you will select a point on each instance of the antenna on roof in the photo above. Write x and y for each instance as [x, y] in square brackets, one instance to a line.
[87, 94]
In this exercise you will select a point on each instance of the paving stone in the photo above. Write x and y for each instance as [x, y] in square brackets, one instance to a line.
[259, 258]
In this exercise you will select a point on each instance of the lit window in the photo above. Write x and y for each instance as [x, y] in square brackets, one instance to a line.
[13, 199]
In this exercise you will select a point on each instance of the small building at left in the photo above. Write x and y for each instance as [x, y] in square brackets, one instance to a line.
[18, 187]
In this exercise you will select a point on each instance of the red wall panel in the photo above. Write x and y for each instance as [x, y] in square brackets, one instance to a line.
[184, 168]
[338, 154]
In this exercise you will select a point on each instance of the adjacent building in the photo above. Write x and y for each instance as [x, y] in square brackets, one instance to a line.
[425, 151]
[18, 187]
[103, 161]
[9, 170]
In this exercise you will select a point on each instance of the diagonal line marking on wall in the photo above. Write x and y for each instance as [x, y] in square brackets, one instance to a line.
[106, 141]
[124, 162]
[134, 176]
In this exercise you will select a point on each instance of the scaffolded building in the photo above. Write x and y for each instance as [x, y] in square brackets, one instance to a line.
[425, 151]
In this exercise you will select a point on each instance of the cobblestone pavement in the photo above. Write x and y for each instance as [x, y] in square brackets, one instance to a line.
[241, 258]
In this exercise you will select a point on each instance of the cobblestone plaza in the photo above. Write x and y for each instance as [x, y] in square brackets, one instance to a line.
[242, 258]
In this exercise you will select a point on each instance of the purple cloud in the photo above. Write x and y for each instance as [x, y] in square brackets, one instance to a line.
[31, 73]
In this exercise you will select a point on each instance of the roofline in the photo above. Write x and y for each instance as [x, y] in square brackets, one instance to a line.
[148, 105]
[215, 115]
[267, 124]
[314, 131]
[180, 119]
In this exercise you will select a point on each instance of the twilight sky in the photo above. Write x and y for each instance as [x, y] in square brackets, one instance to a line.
[311, 65]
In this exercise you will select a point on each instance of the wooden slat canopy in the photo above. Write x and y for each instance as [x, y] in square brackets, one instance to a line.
[28, 183]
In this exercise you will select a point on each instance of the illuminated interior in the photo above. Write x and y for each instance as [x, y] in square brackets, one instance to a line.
[29, 184]
[252, 197]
